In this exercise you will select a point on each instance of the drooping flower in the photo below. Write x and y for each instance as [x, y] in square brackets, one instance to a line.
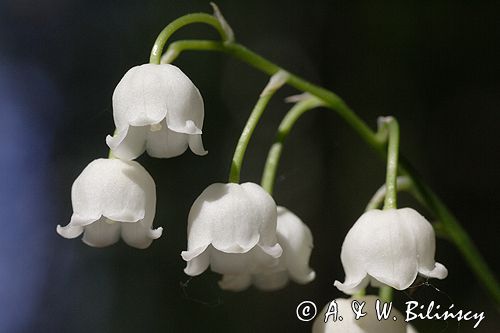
[297, 242]
[232, 229]
[367, 324]
[389, 247]
[110, 198]
[156, 108]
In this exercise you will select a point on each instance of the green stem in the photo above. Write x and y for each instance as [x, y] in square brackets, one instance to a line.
[175, 25]
[404, 184]
[457, 234]
[391, 125]
[274, 84]
[360, 294]
[273, 157]
[385, 293]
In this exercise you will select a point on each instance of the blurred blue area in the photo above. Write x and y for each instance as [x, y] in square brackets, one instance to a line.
[29, 104]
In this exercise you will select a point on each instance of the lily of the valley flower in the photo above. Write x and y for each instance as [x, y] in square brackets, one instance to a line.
[389, 247]
[110, 198]
[232, 229]
[366, 324]
[156, 108]
[297, 242]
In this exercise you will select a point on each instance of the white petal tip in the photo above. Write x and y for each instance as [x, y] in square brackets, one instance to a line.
[274, 251]
[113, 141]
[156, 233]
[349, 289]
[196, 145]
[69, 231]
[201, 153]
[188, 128]
[439, 272]
[193, 268]
[109, 139]
[186, 255]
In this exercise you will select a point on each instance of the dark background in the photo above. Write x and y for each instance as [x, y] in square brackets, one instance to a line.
[432, 65]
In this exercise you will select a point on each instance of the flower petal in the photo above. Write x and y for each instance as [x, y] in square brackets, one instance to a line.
[116, 189]
[166, 143]
[128, 143]
[263, 204]
[274, 251]
[392, 250]
[101, 233]
[196, 144]
[190, 255]
[383, 247]
[297, 242]
[253, 261]
[140, 98]
[69, 231]
[223, 215]
[425, 239]
[198, 264]
[138, 235]
[352, 284]
[185, 111]
[235, 282]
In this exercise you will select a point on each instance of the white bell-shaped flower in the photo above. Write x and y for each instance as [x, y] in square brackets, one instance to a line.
[297, 242]
[110, 198]
[232, 229]
[367, 324]
[389, 247]
[156, 108]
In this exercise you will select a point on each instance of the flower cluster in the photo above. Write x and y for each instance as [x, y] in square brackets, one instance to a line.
[156, 108]
[239, 232]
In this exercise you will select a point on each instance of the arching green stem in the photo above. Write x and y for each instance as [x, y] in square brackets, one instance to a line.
[449, 222]
[273, 157]
[274, 84]
[175, 25]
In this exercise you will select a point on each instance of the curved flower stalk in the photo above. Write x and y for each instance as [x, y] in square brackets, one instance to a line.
[366, 324]
[297, 242]
[389, 247]
[110, 198]
[232, 229]
[156, 108]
